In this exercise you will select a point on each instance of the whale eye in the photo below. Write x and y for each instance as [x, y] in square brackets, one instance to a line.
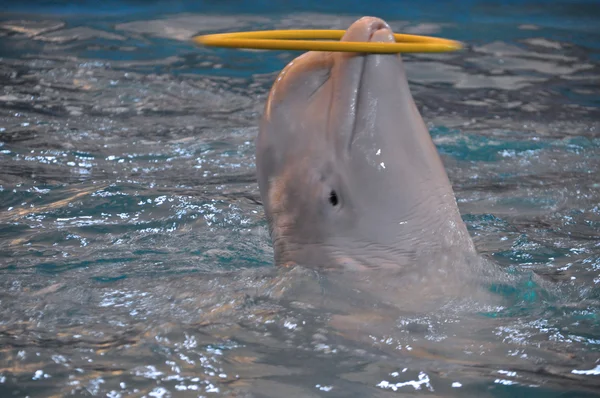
[333, 198]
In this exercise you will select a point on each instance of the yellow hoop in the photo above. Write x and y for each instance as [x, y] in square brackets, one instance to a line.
[303, 40]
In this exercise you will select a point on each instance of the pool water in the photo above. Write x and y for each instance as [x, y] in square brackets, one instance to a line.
[134, 255]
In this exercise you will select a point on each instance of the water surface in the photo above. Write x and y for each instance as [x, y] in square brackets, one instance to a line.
[134, 254]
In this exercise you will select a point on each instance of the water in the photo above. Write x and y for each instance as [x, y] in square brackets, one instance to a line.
[134, 257]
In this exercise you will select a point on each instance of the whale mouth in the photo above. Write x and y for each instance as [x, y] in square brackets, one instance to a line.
[366, 29]
[356, 112]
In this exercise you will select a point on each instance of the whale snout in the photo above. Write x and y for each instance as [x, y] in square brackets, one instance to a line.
[369, 29]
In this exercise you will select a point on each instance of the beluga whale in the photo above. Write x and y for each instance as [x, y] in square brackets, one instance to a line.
[348, 173]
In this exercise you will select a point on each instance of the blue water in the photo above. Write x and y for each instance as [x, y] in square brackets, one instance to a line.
[134, 255]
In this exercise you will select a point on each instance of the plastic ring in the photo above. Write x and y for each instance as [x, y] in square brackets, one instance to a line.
[304, 40]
